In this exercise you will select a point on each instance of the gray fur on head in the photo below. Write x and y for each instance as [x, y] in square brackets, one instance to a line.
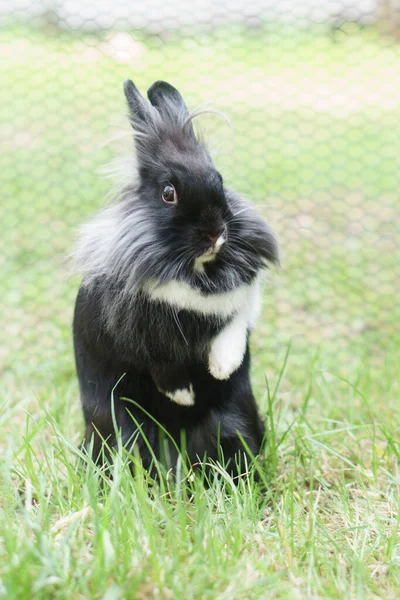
[139, 238]
[165, 121]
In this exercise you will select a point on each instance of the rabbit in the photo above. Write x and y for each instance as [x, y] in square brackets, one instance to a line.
[169, 295]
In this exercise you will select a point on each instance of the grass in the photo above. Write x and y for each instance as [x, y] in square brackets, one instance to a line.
[326, 527]
[317, 130]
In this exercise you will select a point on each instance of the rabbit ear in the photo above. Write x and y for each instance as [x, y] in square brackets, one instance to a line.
[162, 93]
[138, 106]
[169, 102]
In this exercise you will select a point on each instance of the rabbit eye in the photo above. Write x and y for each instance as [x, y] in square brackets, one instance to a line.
[169, 194]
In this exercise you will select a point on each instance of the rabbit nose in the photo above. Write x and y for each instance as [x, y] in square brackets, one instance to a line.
[213, 239]
[216, 239]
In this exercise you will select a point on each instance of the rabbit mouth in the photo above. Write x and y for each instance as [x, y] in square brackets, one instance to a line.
[210, 254]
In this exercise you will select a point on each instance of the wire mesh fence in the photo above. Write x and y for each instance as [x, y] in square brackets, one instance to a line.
[313, 93]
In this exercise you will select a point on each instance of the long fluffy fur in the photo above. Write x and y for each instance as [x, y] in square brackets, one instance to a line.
[123, 244]
[144, 311]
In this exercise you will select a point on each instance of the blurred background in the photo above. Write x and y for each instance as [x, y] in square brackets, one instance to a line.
[312, 88]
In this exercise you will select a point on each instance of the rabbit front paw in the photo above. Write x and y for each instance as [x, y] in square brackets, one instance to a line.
[173, 381]
[183, 396]
[228, 349]
[223, 362]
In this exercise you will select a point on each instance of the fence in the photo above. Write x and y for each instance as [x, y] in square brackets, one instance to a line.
[313, 92]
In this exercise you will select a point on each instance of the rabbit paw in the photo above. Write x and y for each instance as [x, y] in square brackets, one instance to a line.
[227, 350]
[173, 381]
[183, 396]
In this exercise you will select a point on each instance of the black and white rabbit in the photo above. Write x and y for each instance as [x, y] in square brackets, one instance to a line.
[170, 292]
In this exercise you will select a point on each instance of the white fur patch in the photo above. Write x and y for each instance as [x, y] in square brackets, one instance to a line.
[228, 348]
[184, 397]
[181, 295]
[210, 255]
[220, 241]
[254, 306]
[200, 260]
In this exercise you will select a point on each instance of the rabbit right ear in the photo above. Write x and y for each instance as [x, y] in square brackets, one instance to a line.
[138, 107]
[161, 92]
[170, 104]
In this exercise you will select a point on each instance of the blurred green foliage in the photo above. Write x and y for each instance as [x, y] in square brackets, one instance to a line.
[315, 144]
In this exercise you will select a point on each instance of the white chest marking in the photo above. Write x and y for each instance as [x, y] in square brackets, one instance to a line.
[182, 296]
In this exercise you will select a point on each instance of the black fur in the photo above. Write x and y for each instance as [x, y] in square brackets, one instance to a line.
[130, 346]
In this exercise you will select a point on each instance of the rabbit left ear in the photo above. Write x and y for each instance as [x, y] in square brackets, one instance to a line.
[169, 101]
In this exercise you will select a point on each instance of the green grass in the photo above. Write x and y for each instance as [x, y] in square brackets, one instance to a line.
[316, 146]
[326, 527]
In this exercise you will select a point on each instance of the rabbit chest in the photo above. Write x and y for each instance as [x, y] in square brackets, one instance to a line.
[186, 322]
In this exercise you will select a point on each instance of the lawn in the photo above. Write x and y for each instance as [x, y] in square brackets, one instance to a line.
[314, 143]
